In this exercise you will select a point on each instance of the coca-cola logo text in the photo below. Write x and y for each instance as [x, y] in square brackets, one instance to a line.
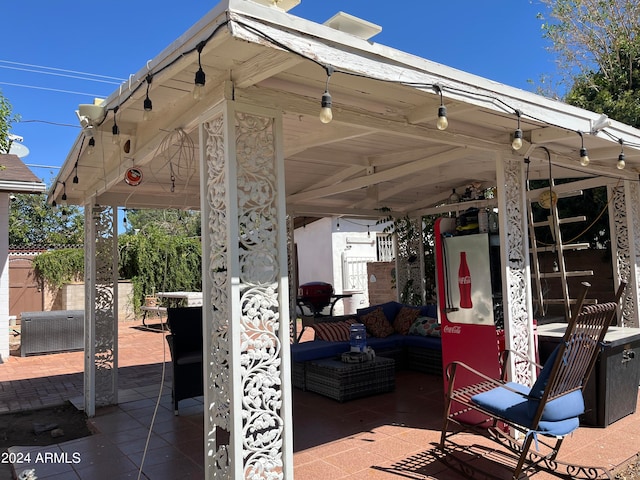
[465, 280]
[453, 329]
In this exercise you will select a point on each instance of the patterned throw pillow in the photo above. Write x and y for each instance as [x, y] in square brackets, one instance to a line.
[376, 323]
[332, 331]
[426, 327]
[404, 319]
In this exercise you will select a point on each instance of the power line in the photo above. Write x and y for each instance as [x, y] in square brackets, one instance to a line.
[86, 74]
[78, 77]
[51, 89]
[50, 123]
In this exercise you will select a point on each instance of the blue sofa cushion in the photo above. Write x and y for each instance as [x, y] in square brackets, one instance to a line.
[432, 343]
[514, 407]
[305, 351]
[390, 342]
[390, 310]
[430, 310]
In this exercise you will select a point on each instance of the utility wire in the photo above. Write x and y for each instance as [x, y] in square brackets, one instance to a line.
[116, 80]
[51, 89]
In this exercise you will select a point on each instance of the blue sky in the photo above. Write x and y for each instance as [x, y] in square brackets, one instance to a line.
[497, 39]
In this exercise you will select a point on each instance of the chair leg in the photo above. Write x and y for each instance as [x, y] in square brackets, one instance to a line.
[523, 456]
[445, 423]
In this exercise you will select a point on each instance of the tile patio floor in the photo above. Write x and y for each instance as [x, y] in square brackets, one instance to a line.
[388, 436]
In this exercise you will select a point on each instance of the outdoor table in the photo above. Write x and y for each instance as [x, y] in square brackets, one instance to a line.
[181, 299]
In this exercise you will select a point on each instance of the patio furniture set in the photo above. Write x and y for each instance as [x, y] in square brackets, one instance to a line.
[401, 336]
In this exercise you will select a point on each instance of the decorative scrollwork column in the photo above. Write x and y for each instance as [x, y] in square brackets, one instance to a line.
[101, 309]
[516, 282]
[624, 214]
[248, 418]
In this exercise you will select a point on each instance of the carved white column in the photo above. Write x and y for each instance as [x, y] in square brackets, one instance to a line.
[516, 275]
[248, 419]
[101, 308]
[624, 222]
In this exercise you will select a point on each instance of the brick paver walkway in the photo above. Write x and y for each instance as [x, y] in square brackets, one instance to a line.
[39, 381]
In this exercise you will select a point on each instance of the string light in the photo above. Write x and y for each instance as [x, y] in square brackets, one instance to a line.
[442, 123]
[91, 146]
[148, 106]
[584, 156]
[338, 224]
[75, 177]
[621, 163]
[516, 144]
[326, 115]
[115, 130]
[201, 78]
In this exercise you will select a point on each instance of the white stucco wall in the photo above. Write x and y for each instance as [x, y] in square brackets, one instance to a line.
[322, 247]
[314, 252]
[4, 276]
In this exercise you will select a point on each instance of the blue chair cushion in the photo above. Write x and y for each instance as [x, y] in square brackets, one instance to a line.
[512, 406]
[541, 382]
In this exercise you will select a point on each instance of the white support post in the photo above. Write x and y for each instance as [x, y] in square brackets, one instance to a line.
[624, 227]
[101, 314]
[516, 274]
[248, 405]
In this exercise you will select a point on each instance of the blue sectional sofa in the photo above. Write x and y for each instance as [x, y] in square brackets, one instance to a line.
[410, 335]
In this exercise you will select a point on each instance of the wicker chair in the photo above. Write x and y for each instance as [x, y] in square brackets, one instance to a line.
[517, 416]
[185, 344]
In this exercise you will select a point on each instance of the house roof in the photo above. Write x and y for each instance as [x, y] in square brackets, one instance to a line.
[16, 177]
[382, 149]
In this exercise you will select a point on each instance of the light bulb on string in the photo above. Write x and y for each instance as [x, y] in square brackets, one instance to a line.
[200, 78]
[584, 156]
[148, 106]
[442, 123]
[516, 144]
[326, 115]
[115, 130]
[621, 163]
[91, 146]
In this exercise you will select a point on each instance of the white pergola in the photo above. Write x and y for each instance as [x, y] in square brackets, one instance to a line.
[252, 154]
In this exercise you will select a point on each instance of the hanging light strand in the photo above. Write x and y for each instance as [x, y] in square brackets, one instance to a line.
[584, 155]
[326, 115]
[147, 104]
[621, 163]
[516, 144]
[200, 78]
[442, 123]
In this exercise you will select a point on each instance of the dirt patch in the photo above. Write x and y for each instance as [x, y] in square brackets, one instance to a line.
[631, 471]
[46, 426]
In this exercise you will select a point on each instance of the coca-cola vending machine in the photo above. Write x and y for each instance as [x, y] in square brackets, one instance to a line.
[466, 300]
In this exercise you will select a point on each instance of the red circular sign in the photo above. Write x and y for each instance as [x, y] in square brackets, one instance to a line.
[133, 176]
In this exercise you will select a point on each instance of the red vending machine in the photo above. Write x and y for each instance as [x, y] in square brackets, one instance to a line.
[466, 301]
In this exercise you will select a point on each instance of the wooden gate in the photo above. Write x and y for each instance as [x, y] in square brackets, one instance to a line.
[25, 293]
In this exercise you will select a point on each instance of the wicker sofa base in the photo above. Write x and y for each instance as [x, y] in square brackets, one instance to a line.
[346, 381]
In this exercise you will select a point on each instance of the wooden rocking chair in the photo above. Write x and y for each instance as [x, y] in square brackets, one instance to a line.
[517, 416]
